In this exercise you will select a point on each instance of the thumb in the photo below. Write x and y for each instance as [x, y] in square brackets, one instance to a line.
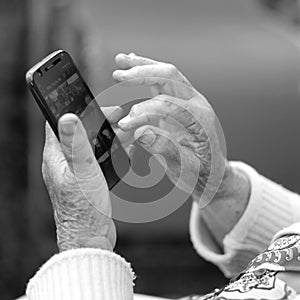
[82, 162]
[157, 141]
[76, 147]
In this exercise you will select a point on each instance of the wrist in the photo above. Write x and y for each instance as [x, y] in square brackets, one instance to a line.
[229, 204]
[226, 186]
[235, 184]
[83, 274]
[75, 239]
[87, 242]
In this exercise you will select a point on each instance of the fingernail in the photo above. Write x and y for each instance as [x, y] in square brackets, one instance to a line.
[117, 73]
[124, 121]
[147, 138]
[68, 126]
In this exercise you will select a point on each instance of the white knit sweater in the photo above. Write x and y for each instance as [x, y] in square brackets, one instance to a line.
[271, 208]
[88, 274]
[83, 274]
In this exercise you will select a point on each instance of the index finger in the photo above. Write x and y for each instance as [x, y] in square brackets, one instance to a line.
[125, 61]
[163, 75]
[147, 74]
[165, 107]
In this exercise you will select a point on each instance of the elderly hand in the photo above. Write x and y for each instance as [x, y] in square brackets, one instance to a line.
[77, 188]
[179, 124]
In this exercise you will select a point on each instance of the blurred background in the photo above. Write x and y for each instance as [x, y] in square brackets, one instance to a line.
[232, 51]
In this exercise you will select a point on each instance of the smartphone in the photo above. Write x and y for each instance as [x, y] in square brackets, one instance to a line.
[58, 88]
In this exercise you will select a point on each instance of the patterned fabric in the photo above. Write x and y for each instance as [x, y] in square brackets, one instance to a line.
[258, 280]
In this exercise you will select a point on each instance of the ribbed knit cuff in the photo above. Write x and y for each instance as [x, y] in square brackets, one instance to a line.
[271, 208]
[83, 274]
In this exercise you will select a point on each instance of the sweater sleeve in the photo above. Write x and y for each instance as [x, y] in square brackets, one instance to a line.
[83, 274]
[270, 209]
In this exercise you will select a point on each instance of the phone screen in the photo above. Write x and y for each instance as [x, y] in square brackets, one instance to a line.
[63, 90]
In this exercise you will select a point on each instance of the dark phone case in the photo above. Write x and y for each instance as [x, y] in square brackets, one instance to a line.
[111, 176]
[44, 111]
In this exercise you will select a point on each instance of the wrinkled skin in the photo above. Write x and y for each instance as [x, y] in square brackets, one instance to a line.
[178, 123]
[77, 188]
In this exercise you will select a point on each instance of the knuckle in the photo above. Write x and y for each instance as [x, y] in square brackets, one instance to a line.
[171, 70]
[162, 98]
[179, 109]
[161, 148]
[65, 180]
[45, 173]
[208, 115]
[45, 153]
[182, 107]
[161, 145]
[134, 110]
[49, 156]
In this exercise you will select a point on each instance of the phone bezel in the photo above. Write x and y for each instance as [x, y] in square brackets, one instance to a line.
[36, 93]
[51, 118]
